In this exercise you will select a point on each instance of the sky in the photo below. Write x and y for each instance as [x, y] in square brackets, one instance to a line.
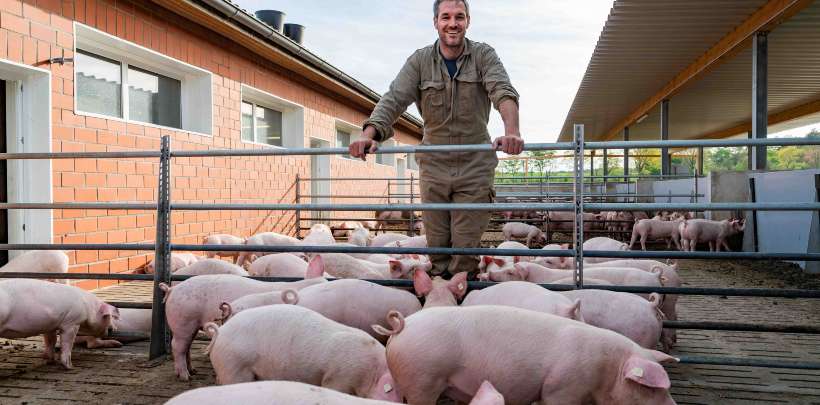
[544, 45]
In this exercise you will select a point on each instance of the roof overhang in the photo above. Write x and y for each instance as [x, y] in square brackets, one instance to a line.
[286, 54]
[696, 53]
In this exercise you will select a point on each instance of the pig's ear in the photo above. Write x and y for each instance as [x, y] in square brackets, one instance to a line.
[646, 372]
[498, 262]
[662, 357]
[109, 310]
[422, 283]
[486, 260]
[395, 269]
[575, 311]
[458, 285]
[316, 268]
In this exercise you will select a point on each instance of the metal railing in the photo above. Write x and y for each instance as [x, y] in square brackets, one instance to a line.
[164, 206]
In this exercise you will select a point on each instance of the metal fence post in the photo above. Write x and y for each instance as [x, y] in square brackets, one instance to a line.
[412, 230]
[578, 233]
[297, 217]
[753, 198]
[160, 338]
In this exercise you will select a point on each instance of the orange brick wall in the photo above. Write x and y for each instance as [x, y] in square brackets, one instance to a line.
[33, 31]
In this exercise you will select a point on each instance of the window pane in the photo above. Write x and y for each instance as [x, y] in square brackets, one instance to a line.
[247, 122]
[99, 84]
[342, 139]
[153, 98]
[268, 126]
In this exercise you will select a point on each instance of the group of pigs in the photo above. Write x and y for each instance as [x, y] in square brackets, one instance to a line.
[682, 229]
[320, 341]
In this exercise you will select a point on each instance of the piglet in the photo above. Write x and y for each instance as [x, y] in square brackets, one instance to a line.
[385, 238]
[266, 239]
[278, 265]
[37, 307]
[522, 230]
[195, 301]
[211, 267]
[602, 243]
[525, 295]
[223, 239]
[357, 303]
[528, 357]
[288, 342]
[359, 237]
[39, 261]
[627, 314]
[178, 261]
[133, 321]
[296, 393]
[340, 265]
[240, 304]
[439, 292]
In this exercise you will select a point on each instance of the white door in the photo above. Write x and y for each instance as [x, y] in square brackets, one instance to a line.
[320, 179]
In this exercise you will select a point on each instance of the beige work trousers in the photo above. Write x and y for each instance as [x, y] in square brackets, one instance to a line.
[457, 229]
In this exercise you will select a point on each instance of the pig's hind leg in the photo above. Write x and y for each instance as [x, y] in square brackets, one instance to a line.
[49, 341]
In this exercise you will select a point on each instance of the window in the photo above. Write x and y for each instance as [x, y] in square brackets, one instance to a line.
[261, 124]
[99, 84]
[119, 79]
[343, 141]
[387, 159]
[270, 120]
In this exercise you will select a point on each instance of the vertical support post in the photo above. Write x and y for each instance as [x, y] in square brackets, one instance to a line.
[700, 161]
[526, 170]
[760, 92]
[298, 214]
[606, 174]
[695, 196]
[389, 190]
[160, 338]
[750, 155]
[626, 158]
[578, 232]
[412, 230]
[753, 198]
[666, 162]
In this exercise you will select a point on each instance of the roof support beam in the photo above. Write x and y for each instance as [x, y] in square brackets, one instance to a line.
[760, 96]
[626, 156]
[766, 18]
[811, 107]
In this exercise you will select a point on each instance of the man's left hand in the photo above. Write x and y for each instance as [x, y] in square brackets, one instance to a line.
[509, 144]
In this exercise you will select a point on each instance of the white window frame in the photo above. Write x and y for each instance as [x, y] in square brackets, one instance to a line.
[196, 93]
[254, 106]
[411, 162]
[293, 117]
[354, 130]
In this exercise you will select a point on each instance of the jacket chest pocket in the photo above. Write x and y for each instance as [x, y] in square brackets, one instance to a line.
[471, 93]
[433, 109]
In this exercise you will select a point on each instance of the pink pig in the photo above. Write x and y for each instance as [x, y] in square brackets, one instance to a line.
[229, 309]
[385, 238]
[525, 295]
[357, 303]
[38, 307]
[278, 265]
[288, 342]
[295, 393]
[656, 229]
[528, 356]
[522, 230]
[210, 267]
[438, 291]
[178, 261]
[39, 261]
[222, 239]
[694, 231]
[266, 239]
[195, 301]
[340, 265]
[627, 314]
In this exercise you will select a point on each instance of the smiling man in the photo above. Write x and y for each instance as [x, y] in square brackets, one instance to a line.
[453, 82]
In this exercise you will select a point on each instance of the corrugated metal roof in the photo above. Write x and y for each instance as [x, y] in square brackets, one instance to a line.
[645, 43]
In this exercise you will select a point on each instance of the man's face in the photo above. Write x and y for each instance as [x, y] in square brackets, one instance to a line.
[452, 23]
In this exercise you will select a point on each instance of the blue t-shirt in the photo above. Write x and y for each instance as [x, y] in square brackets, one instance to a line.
[452, 68]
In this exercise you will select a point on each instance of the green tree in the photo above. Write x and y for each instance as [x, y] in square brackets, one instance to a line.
[646, 161]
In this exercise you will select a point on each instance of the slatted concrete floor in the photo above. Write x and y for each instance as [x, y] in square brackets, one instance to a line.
[123, 376]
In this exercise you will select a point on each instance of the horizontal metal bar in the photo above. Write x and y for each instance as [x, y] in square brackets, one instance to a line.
[742, 327]
[420, 149]
[79, 276]
[745, 362]
[381, 197]
[702, 143]
[80, 206]
[674, 254]
[568, 194]
[504, 207]
[356, 179]
[372, 250]
[378, 207]
[76, 246]
[637, 176]
[128, 304]
[743, 206]
[81, 155]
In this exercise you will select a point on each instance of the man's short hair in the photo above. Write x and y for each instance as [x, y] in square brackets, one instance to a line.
[436, 3]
